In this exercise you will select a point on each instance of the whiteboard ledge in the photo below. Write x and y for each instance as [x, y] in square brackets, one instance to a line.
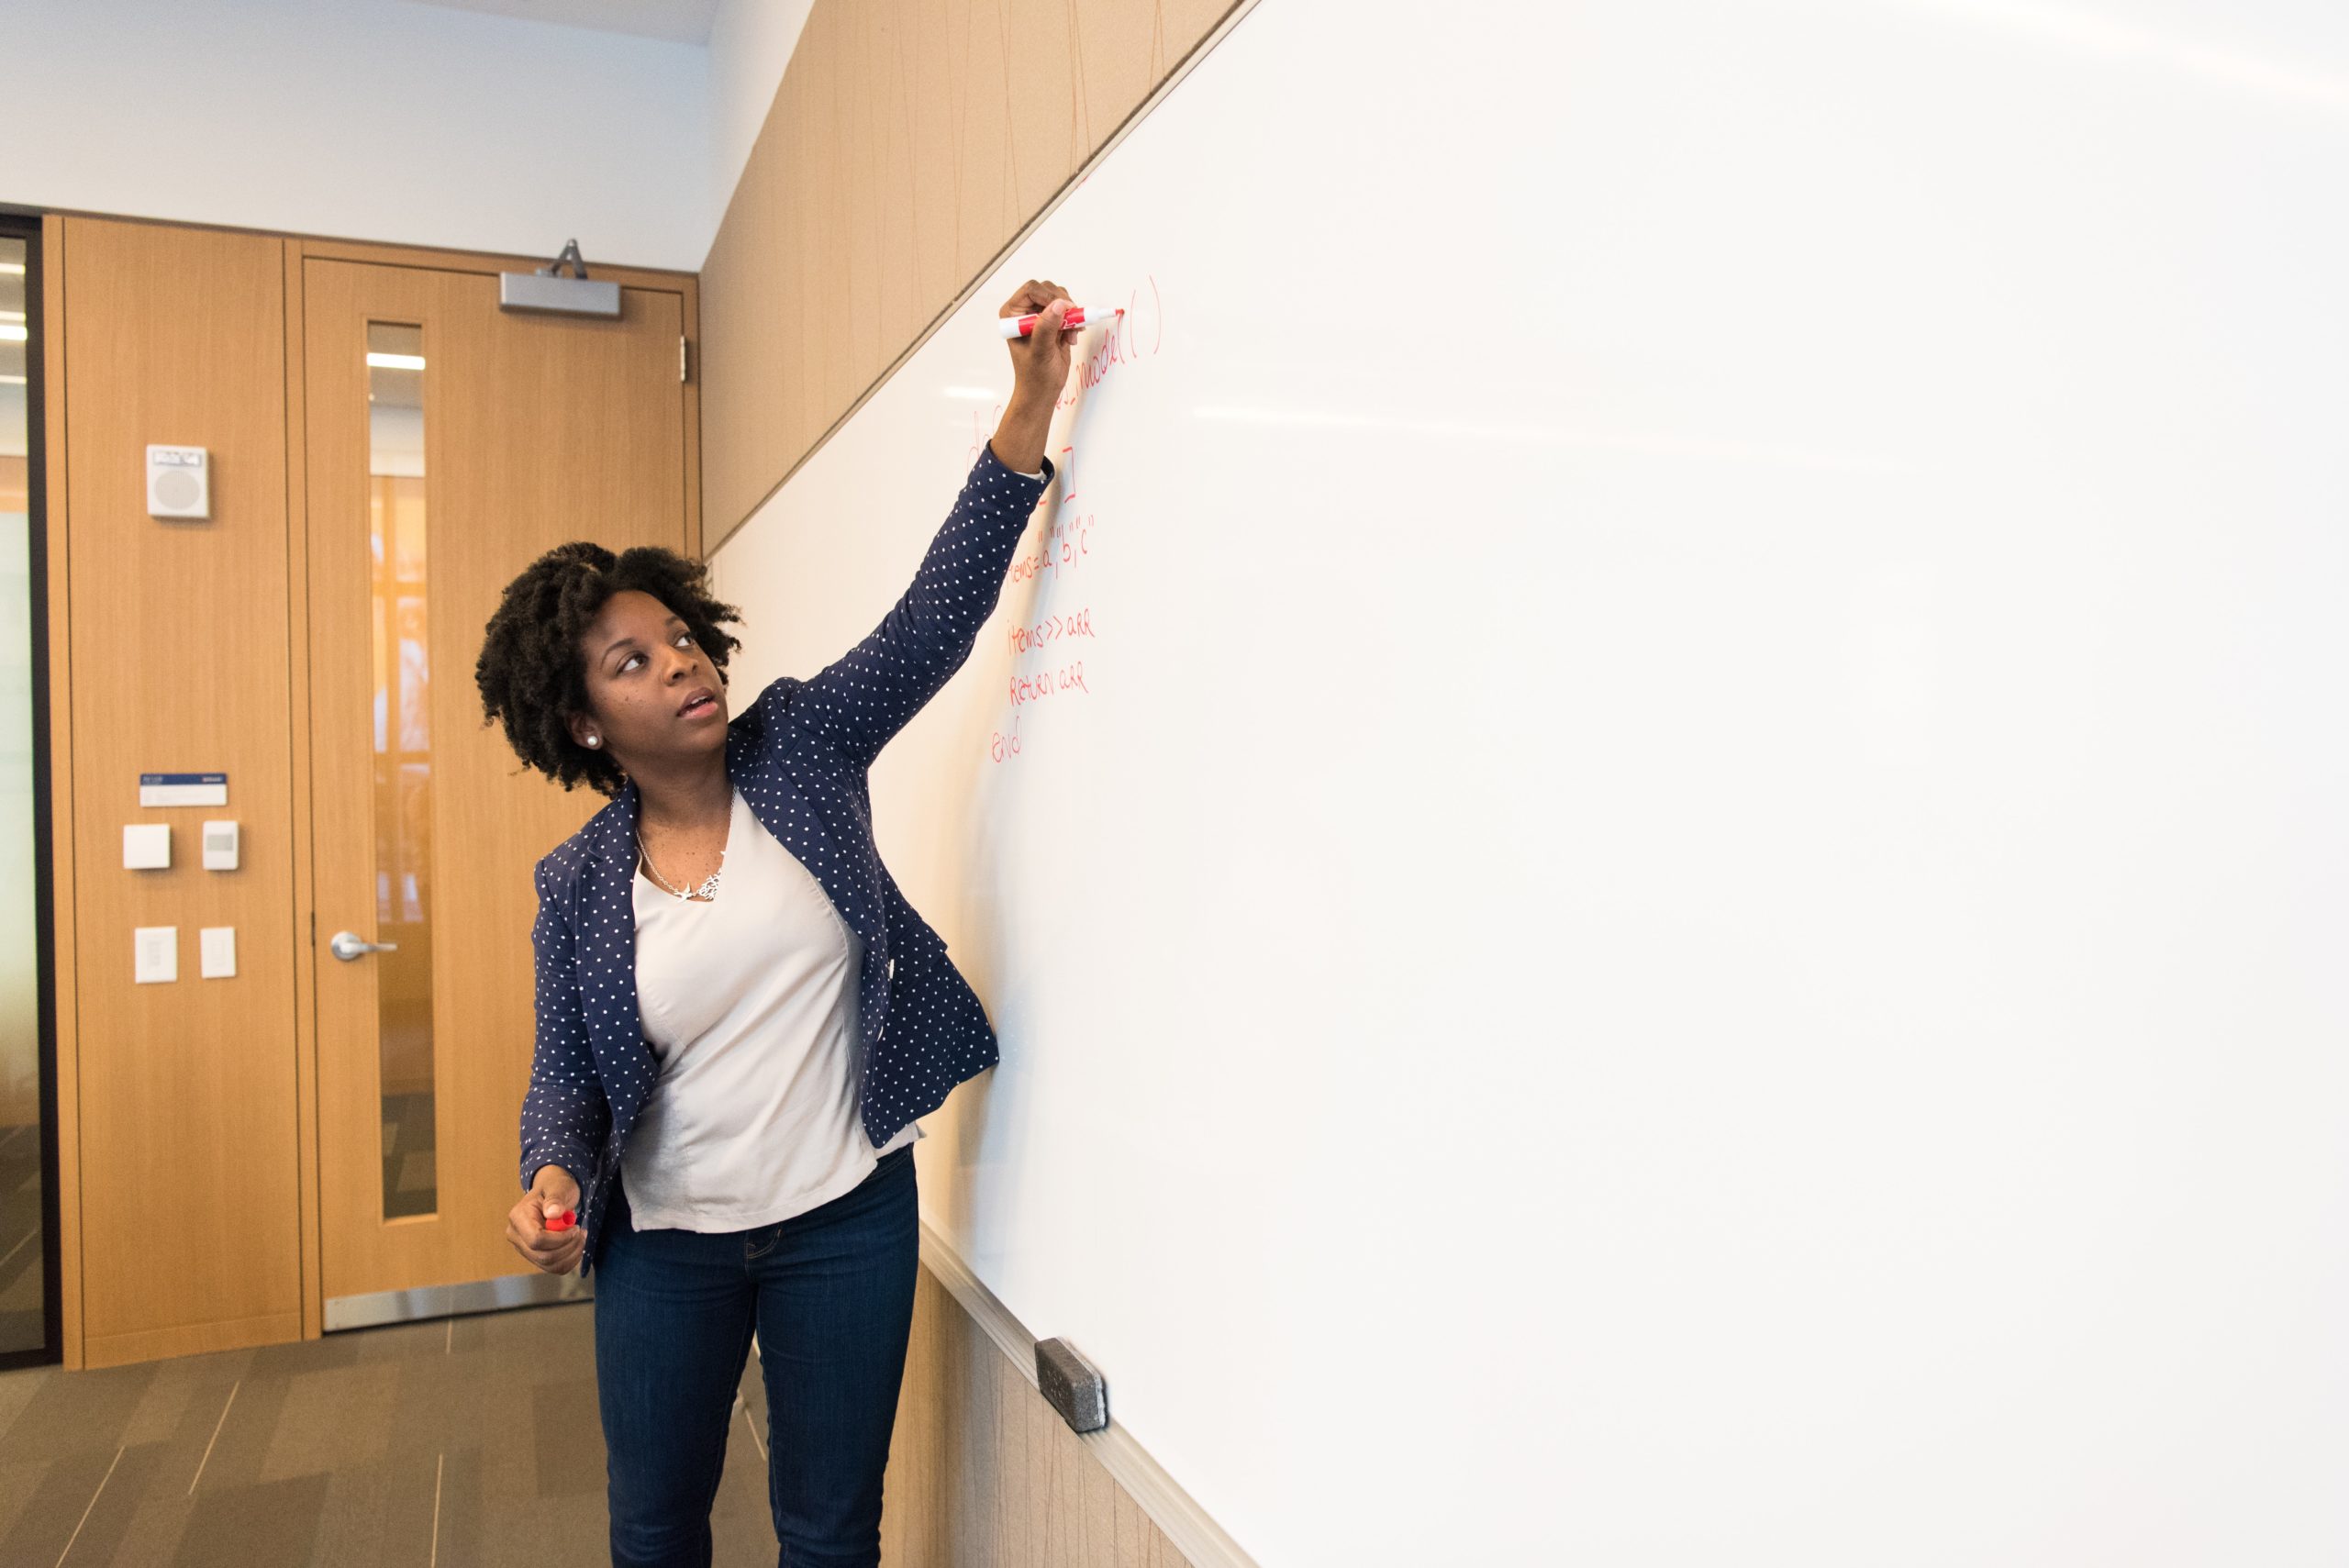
[1197, 1537]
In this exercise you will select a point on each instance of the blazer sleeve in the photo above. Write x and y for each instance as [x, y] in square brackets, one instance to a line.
[564, 1115]
[863, 698]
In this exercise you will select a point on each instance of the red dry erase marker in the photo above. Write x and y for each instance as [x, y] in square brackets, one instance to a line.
[560, 1221]
[1021, 325]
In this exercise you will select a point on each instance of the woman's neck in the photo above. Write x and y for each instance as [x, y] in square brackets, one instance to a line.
[687, 798]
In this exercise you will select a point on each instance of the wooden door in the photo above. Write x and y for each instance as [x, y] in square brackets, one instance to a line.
[490, 437]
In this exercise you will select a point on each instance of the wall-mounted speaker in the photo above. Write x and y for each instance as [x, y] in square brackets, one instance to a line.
[179, 482]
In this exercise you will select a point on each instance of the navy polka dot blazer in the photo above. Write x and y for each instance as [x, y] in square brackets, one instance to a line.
[799, 755]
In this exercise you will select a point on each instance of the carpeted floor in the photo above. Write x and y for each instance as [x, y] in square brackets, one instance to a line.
[468, 1442]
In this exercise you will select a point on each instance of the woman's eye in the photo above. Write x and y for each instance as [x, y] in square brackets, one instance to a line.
[628, 662]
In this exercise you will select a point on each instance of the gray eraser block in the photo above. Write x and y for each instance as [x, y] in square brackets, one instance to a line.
[1071, 1385]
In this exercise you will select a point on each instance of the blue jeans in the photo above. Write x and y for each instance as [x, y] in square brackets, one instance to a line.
[830, 1292]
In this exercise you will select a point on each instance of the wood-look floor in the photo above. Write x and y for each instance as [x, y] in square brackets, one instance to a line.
[22, 1265]
[475, 1441]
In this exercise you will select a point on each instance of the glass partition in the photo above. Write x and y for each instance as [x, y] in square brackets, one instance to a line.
[27, 1201]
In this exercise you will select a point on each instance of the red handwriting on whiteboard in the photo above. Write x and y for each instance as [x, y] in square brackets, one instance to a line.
[979, 434]
[1100, 358]
[1052, 628]
[1067, 543]
[1067, 681]
[1119, 344]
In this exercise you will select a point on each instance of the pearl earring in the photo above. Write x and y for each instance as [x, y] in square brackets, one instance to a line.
[595, 741]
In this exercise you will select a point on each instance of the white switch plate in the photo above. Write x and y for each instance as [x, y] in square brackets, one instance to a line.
[146, 846]
[157, 957]
[219, 842]
[217, 952]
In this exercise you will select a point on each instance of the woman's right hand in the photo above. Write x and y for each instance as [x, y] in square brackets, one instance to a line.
[553, 1192]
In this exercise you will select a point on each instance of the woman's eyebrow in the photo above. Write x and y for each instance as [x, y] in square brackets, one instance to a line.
[619, 643]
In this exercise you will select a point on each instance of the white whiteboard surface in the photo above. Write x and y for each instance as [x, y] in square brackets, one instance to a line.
[1694, 911]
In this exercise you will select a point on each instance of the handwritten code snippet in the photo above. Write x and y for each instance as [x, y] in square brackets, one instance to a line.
[1046, 665]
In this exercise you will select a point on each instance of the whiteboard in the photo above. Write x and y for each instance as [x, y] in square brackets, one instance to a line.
[1692, 907]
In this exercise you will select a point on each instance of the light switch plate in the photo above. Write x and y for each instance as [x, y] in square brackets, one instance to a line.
[157, 957]
[217, 952]
[146, 846]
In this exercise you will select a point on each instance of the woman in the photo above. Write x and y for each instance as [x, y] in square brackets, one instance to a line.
[726, 1079]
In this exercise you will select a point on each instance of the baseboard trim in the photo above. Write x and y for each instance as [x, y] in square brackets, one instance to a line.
[1195, 1535]
[500, 1295]
[190, 1339]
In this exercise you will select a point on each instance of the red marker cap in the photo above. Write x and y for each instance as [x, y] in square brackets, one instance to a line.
[562, 1221]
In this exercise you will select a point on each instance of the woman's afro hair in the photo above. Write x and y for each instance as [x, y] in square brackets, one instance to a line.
[531, 673]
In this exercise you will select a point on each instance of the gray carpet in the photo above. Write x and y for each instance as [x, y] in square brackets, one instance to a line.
[466, 1442]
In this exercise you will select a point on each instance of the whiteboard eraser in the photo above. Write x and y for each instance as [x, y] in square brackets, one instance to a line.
[1071, 1385]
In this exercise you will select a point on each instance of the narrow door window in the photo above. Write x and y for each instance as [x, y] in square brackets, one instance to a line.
[396, 377]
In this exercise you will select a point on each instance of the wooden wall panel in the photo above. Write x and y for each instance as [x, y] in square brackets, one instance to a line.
[909, 142]
[983, 1473]
[179, 644]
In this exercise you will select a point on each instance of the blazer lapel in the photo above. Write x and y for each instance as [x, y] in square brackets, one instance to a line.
[608, 898]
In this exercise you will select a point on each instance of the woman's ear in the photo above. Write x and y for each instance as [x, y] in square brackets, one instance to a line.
[584, 732]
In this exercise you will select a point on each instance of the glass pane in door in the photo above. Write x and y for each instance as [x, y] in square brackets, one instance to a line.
[23, 1253]
[395, 380]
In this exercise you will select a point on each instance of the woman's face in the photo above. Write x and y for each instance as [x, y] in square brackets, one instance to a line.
[654, 697]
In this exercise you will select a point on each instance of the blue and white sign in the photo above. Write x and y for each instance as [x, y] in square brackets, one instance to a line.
[183, 789]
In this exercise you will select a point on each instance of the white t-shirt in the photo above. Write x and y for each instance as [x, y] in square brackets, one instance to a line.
[749, 1001]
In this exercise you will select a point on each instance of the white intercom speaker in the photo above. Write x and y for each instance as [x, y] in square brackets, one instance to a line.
[179, 482]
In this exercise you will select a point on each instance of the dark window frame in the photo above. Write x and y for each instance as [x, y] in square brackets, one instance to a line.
[27, 227]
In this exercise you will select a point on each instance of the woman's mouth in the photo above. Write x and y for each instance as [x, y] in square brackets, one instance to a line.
[698, 708]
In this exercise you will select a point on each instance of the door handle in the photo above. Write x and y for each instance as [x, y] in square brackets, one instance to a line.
[346, 946]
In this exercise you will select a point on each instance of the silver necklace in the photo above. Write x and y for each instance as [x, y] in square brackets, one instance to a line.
[708, 888]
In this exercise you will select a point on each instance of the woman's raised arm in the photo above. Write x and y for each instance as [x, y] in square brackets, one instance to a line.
[861, 699]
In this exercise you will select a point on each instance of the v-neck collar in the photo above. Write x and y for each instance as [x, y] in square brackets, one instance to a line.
[765, 771]
[737, 806]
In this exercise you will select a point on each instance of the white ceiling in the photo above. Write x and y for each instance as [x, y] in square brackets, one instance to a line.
[680, 21]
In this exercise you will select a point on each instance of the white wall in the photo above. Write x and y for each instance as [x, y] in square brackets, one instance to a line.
[749, 43]
[365, 120]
